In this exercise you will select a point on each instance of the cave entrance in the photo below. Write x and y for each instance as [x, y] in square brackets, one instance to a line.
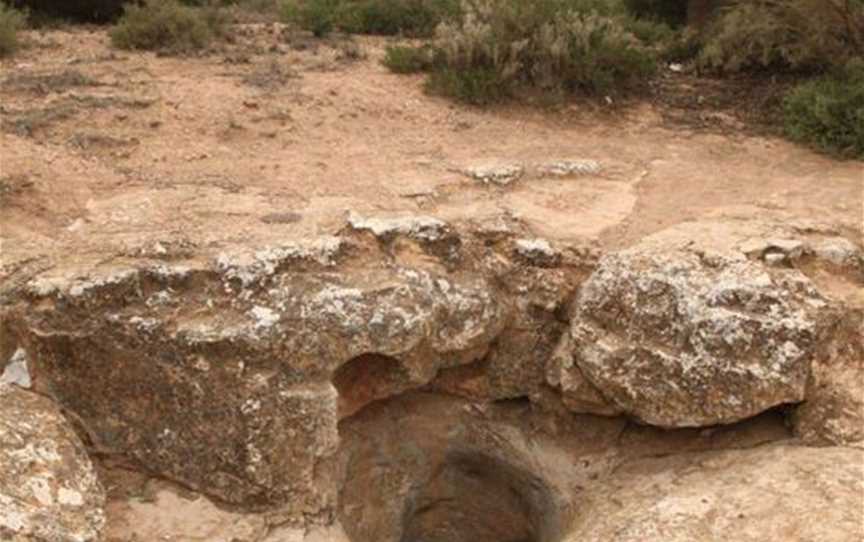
[474, 498]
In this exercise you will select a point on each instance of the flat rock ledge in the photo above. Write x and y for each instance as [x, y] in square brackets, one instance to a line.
[233, 373]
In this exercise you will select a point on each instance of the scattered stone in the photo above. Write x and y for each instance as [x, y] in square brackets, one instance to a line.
[48, 488]
[500, 174]
[16, 371]
[537, 251]
[422, 228]
[564, 168]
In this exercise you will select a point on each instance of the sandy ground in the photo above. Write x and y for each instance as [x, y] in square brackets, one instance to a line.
[108, 154]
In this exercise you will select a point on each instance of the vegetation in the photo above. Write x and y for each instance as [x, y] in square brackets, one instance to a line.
[416, 18]
[11, 21]
[497, 48]
[802, 35]
[167, 25]
[672, 13]
[402, 59]
[828, 112]
[99, 11]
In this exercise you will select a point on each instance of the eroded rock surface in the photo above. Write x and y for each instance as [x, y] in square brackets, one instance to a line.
[680, 332]
[239, 375]
[48, 487]
[775, 492]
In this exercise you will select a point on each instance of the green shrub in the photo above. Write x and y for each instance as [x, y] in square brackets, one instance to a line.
[671, 12]
[828, 113]
[784, 34]
[386, 17]
[402, 59]
[317, 16]
[473, 85]
[97, 11]
[501, 46]
[11, 21]
[416, 18]
[166, 25]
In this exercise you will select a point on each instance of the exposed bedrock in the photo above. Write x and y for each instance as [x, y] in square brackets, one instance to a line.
[231, 375]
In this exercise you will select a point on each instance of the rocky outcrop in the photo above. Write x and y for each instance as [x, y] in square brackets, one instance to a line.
[226, 372]
[237, 374]
[48, 488]
[776, 492]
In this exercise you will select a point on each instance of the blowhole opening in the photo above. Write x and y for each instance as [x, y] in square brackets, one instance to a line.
[475, 498]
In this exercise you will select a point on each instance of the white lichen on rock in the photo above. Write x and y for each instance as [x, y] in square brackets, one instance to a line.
[683, 337]
[420, 227]
[563, 168]
[48, 487]
[501, 174]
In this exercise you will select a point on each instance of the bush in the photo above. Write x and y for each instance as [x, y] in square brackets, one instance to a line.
[670, 12]
[417, 18]
[501, 46]
[828, 113]
[401, 59]
[11, 21]
[167, 25]
[97, 11]
[806, 35]
[317, 16]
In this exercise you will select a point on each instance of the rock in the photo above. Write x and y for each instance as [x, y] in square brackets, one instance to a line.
[423, 228]
[833, 412]
[48, 488]
[501, 174]
[563, 168]
[537, 251]
[232, 391]
[577, 393]
[16, 371]
[775, 492]
[679, 336]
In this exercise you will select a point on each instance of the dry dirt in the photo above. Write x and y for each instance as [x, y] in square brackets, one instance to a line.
[107, 155]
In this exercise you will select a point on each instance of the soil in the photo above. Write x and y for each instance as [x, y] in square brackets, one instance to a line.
[108, 155]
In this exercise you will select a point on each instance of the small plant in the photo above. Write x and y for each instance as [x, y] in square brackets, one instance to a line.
[828, 113]
[167, 25]
[316, 16]
[803, 35]
[11, 21]
[402, 59]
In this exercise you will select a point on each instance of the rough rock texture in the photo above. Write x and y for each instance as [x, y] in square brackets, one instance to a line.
[240, 374]
[775, 492]
[226, 372]
[687, 336]
[834, 410]
[48, 488]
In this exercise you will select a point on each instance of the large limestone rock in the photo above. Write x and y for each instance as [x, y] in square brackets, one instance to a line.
[679, 332]
[222, 376]
[774, 492]
[679, 342]
[48, 488]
